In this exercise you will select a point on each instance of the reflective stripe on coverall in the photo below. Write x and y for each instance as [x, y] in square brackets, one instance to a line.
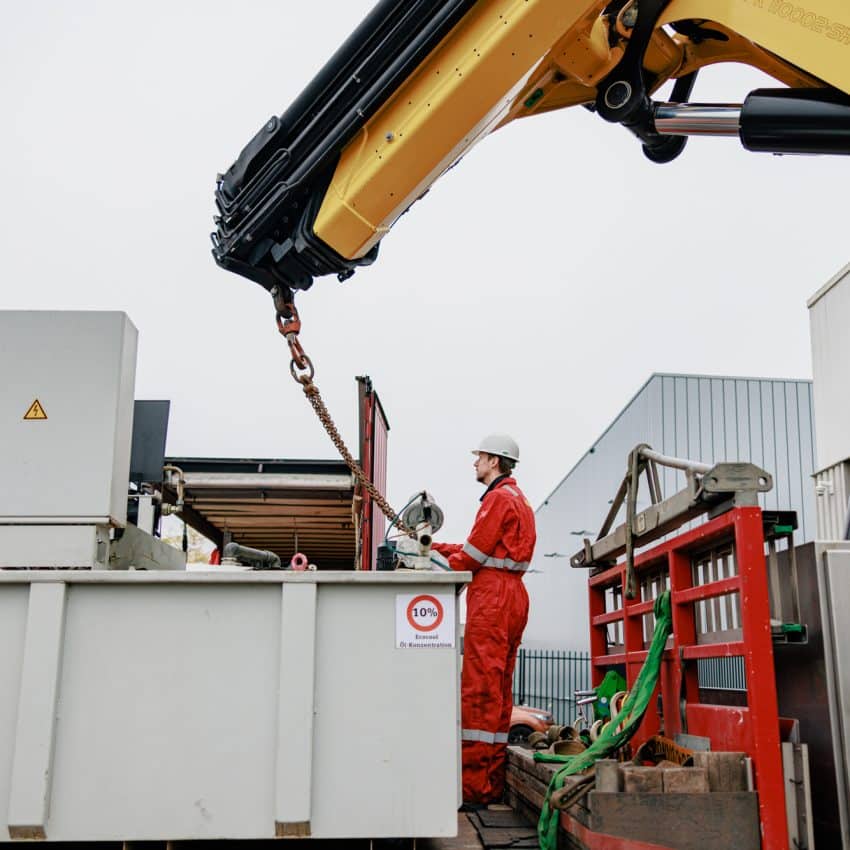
[497, 551]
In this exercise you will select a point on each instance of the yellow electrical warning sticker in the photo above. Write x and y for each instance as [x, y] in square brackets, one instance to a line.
[36, 411]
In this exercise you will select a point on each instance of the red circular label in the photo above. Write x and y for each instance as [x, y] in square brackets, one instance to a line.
[425, 613]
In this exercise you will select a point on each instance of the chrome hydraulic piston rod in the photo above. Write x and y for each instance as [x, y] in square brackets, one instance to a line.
[697, 119]
[793, 121]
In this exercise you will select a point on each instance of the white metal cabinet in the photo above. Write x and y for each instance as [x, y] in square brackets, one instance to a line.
[153, 706]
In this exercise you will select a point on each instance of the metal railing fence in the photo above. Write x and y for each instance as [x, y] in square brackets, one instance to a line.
[549, 678]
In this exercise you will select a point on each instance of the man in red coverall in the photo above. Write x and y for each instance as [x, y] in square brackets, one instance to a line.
[497, 551]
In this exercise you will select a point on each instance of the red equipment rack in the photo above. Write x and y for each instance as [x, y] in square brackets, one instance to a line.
[717, 576]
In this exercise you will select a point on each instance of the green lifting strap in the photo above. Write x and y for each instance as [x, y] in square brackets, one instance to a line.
[610, 739]
[612, 683]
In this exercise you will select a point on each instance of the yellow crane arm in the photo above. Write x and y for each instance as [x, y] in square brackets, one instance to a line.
[421, 81]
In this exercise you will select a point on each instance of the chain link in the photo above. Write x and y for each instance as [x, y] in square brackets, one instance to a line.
[301, 368]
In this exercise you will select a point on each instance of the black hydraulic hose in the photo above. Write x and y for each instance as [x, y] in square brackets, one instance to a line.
[261, 558]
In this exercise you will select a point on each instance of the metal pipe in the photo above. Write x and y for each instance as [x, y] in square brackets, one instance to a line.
[676, 462]
[254, 556]
[697, 119]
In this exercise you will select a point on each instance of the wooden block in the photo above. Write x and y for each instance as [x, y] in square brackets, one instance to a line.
[27, 833]
[532, 792]
[299, 829]
[726, 771]
[523, 760]
[685, 780]
[608, 775]
[530, 789]
[643, 780]
[679, 821]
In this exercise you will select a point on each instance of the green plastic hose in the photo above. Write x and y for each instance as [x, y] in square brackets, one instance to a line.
[610, 740]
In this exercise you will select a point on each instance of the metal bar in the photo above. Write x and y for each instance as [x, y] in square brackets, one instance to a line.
[638, 608]
[616, 504]
[267, 481]
[713, 650]
[608, 617]
[732, 484]
[684, 464]
[708, 591]
[631, 508]
[774, 581]
[728, 600]
[697, 119]
[795, 581]
[658, 519]
[605, 579]
[609, 660]
[655, 481]
[522, 654]
[717, 624]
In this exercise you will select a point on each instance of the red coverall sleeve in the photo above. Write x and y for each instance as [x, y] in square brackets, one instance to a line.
[486, 532]
[446, 549]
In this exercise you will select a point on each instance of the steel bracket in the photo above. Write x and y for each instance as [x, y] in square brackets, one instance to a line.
[708, 489]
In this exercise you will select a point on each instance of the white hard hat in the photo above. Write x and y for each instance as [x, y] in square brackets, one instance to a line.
[500, 445]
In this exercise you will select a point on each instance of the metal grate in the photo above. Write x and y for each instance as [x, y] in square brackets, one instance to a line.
[549, 678]
[722, 674]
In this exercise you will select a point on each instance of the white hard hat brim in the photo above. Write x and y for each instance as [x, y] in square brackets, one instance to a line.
[494, 454]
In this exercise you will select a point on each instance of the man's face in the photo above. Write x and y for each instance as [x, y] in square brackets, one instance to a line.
[483, 465]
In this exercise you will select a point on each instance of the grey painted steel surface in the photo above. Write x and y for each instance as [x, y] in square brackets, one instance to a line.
[155, 706]
[73, 465]
[829, 319]
[709, 419]
[802, 676]
[832, 497]
[52, 546]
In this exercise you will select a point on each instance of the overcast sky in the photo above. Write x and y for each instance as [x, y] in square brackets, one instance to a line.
[533, 291]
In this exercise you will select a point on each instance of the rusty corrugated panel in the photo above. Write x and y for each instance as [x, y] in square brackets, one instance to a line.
[380, 437]
[374, 429]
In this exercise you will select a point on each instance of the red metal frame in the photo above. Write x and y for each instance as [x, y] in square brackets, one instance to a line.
[374, 430]
[753, 728]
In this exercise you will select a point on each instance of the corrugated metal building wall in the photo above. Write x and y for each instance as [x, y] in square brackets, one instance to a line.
[767, 422]
[829, 311]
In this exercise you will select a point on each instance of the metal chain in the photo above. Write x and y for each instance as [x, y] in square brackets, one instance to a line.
[301, 368]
